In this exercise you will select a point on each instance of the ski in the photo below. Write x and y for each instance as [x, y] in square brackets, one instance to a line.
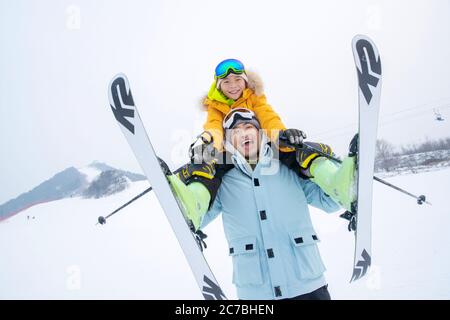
[127, 116]
[368, 67]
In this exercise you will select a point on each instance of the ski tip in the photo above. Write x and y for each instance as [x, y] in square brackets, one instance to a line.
[361, 38]
[121, 77]
[358, 37]
[365, 39]
[118, 88]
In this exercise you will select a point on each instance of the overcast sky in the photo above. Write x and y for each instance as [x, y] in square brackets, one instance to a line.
[57, 58]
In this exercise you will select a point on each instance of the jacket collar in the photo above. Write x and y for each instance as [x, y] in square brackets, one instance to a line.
[219, 101]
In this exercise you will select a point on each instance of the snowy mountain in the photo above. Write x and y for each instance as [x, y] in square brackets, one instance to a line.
[93, 181]
[107, 183]
[63, 254]
[107, 180]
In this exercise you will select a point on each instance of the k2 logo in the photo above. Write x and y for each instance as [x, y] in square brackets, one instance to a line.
[362, 266]
[369, 63]
[120, 92]
[211, 291]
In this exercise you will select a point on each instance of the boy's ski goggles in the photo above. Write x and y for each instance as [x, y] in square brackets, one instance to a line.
[239, 115]
[228, 66]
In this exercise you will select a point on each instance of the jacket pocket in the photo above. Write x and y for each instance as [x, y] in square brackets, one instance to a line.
[246, 262]
[309, 262]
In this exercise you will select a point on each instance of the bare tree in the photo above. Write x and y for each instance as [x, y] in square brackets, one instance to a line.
[426, 146]
[385, 155]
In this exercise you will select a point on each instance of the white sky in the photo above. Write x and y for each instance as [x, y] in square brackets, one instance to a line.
[57, 58]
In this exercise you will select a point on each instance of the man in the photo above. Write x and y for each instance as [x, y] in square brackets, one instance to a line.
[265, 213]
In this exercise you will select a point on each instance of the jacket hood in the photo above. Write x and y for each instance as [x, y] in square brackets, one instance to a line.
[255, 83]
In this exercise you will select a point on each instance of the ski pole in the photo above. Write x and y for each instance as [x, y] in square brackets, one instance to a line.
[420, 199]
[102, 220]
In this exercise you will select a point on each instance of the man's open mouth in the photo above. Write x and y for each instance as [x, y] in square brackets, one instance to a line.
[246, 142]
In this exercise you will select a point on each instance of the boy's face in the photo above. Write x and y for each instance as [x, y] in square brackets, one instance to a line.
[232, 86]
[245, 139]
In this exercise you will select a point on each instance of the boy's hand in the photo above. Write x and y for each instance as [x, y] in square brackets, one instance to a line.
[189, 171]
[306, 155]
[292, 136]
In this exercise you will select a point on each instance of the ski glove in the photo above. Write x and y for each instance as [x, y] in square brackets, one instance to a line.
[291, 136]
[191, 170]
[307, 154]
[203, 153]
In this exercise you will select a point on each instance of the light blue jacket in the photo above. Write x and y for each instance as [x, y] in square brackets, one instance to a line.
[268, 227]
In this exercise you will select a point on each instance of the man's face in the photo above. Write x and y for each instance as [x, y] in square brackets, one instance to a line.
[245, 139]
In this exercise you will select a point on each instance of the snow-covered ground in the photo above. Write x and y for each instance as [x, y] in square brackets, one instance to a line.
[410, 248]
[63, 254]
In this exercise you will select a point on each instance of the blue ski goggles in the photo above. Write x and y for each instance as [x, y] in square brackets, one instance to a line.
[228, 66]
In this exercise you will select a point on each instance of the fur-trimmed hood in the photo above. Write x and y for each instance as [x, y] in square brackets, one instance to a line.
[255, 83]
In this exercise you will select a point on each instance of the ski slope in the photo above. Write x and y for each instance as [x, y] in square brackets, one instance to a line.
[63, 254]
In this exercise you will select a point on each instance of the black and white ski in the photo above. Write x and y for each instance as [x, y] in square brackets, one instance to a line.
[368, 65]
[127, 116]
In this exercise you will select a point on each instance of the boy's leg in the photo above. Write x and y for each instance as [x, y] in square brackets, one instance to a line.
[300, 160]
[194, 198]
[196, 186]
[336, 180]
